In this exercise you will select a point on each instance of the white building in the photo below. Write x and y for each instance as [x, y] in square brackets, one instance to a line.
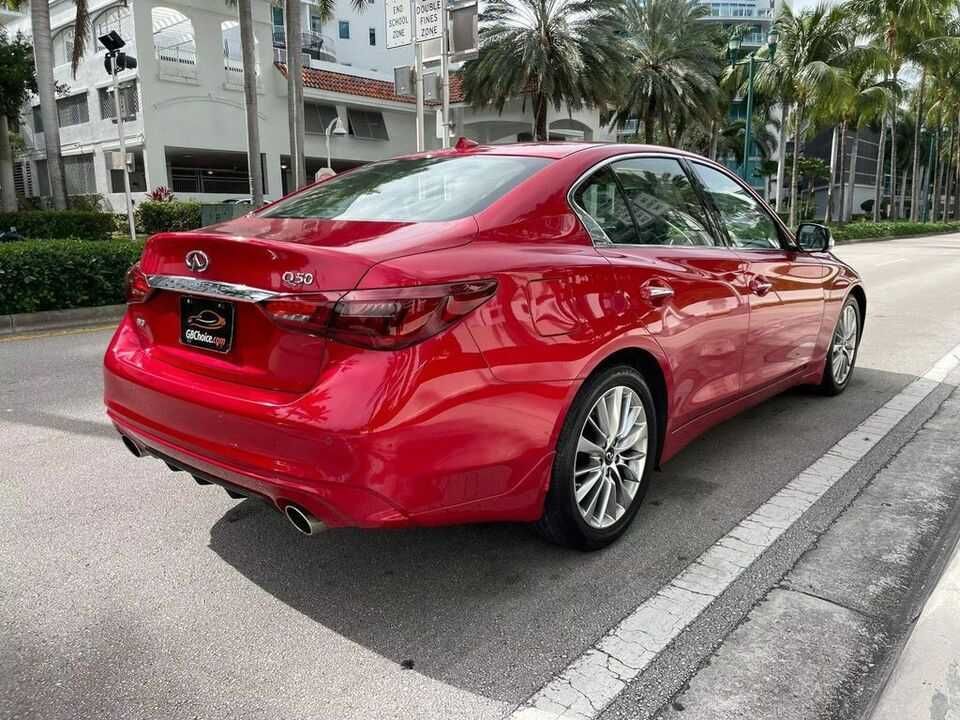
[183, 105]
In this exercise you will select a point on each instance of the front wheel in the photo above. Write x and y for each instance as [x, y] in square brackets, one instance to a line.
[842, 353]
[605, 454]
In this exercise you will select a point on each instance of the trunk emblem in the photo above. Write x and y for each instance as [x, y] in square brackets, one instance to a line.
[296, 279]
[197, 260]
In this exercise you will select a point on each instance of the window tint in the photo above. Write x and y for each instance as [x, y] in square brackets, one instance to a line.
[665, 204]
[412, 190]
[607, 219]
[748, 224]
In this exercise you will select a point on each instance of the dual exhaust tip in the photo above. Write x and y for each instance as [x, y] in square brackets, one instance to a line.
[303, 521]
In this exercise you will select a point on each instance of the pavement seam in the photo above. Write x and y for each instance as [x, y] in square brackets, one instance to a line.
[694, 589]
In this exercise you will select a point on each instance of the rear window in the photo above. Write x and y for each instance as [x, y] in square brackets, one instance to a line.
[412, 190]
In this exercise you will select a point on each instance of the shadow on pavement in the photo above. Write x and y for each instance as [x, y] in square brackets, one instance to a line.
[492, 608]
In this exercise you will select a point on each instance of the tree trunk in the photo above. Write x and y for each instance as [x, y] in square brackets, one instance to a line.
[937, 177]
[714, 138]
[648, 125]
[8, 194]
[956, 185]
[842, 163]
[798, 116]
[781, 153]
[540, 117]
[914, 191]
[828, 213]
[948, 174]
[894, 214]
[903, 192]
[852, 181]
[878, 175]
[247, 45]
[46, 90]
[294, 92]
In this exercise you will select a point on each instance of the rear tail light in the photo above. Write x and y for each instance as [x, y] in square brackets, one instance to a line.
[382, 319]
[135, 285]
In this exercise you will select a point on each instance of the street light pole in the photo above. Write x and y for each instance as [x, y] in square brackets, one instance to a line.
[335, 127]
[747, 134]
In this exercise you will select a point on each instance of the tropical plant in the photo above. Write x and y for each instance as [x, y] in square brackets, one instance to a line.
[16, 83]
[555, 52]
[674, 66]
[804, 70]
[160, 194]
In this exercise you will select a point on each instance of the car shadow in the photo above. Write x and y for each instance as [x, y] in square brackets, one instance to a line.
[494, 609]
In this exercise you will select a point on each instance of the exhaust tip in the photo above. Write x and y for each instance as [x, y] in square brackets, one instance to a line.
[132, 446]
[303, 521]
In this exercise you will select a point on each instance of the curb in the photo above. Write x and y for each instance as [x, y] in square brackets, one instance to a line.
[59, 319]
[853, 241]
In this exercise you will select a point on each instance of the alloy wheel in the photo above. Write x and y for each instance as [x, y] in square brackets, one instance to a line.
[844, 344]
[611, 454]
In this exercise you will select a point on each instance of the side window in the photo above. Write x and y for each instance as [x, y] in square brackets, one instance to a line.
[665, 204]
[608, 218]
[748, 224]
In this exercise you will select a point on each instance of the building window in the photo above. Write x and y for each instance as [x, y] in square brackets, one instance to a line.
[138, 181]
[73, 110]
[344, 29]
[116, 18]
[79, 173]
[63, 47]
[373, 36]
[21, 179]
[173, 37]
[367, 124]
[317, 117]
[129, 102]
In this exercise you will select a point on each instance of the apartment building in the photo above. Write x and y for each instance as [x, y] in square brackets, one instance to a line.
[184, 104]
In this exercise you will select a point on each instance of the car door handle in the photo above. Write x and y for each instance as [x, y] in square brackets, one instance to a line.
[759, 285]
[656, 294]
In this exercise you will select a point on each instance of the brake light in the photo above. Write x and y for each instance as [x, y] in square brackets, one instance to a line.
[382, 319]
[135, 285]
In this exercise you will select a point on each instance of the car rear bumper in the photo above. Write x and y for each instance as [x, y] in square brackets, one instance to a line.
[451, 449]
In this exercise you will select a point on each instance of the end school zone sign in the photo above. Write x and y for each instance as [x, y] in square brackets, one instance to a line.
[399, 22]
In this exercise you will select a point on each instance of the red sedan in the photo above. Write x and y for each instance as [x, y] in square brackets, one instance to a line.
[513, 333]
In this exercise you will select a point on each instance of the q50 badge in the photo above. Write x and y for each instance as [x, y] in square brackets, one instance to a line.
[297, 279]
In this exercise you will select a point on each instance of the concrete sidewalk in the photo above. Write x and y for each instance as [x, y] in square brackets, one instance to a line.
[925, 682]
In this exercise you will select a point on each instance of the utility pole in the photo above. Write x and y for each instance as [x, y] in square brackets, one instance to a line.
[445, 76]
[418, 84]
[114, 62]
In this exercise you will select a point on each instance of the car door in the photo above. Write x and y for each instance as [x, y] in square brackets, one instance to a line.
[786, 287]
[678, 279]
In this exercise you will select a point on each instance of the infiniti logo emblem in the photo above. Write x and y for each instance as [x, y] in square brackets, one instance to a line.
[197, 260]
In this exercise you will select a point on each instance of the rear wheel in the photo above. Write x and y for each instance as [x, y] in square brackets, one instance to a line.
[605, 454]
[842, 353]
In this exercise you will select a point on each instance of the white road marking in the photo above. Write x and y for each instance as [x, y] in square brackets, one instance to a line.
[892, 262]
[593, 680]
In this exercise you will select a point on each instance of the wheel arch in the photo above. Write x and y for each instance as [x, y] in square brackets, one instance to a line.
[858, 294]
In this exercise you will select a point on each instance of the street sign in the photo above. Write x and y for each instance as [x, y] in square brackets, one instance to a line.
[399, 23]
[428, 17]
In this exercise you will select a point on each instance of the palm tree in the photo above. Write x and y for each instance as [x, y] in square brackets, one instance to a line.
[558, 52]
[674, 67]
[250, 101]
[804, 70]
[897, 25]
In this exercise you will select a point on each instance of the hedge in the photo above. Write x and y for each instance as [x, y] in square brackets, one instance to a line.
[156, 217]
[61, 274]
[81, 224]
[890, 229]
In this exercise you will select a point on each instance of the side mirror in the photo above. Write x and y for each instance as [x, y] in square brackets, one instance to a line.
[813, 237]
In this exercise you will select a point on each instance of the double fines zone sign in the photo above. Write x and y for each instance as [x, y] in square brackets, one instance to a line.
[429, 19]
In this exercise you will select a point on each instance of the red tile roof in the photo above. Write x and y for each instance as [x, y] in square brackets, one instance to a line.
[345, 84]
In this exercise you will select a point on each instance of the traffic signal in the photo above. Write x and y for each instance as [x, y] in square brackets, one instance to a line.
[120, 60]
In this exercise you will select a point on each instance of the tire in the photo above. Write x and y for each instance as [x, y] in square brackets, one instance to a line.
[840, 363]
[565, 520]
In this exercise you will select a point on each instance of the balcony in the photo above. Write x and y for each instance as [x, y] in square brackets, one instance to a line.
[177, 62]
[316, 45]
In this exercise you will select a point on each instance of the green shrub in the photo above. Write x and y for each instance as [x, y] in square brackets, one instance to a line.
[81, 224]
[890, 228]
[59, 274]
[156, 217]
[91, 203]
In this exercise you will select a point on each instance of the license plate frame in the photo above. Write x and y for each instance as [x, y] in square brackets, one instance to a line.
[207, 324]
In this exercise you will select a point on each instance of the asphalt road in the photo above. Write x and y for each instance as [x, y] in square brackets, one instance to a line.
[127, 591]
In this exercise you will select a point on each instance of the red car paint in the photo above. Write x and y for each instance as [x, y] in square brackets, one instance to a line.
[460, 427]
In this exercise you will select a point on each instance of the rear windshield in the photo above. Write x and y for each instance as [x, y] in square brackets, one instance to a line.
[412, 190]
